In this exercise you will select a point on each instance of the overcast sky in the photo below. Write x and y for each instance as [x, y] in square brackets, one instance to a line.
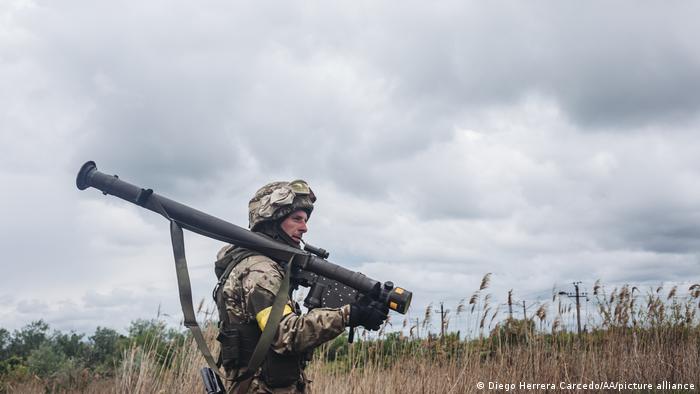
[545, 142]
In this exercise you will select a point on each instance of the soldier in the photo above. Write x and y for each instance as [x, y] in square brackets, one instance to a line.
[249, 282]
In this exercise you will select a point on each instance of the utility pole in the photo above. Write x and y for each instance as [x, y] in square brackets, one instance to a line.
[524, 311]
[510, 304]
[443, 314]
[442, 321]
[578, 296]
[578, 308]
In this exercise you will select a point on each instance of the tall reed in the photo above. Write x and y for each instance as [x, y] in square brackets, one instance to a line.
[633, 337]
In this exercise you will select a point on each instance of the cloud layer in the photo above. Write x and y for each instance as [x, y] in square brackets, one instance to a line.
[544, 143]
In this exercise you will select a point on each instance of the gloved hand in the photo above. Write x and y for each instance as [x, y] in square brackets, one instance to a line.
[370, 314]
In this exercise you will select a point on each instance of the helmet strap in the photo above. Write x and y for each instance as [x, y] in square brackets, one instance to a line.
[286, 238]
[273, 229]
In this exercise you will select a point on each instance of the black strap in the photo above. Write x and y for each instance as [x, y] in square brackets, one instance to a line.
[218, 297]
[268, 333]
[224, 276]
[217, 293]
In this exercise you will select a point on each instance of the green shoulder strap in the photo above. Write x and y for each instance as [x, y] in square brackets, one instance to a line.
[185, 290]
[183, 284]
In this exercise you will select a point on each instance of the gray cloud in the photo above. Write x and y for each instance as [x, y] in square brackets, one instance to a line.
[607, 66]
[544, 143]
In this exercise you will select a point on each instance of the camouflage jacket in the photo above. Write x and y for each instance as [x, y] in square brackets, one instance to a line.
[248, 295]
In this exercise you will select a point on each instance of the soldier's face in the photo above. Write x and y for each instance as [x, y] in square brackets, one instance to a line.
[295, 225]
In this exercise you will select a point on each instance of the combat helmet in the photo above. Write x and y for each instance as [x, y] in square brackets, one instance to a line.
[277, 200]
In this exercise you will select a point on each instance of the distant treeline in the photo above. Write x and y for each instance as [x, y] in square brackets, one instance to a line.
[36, 350]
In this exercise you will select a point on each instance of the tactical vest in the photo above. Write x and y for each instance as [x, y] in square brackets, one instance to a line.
[238, 340]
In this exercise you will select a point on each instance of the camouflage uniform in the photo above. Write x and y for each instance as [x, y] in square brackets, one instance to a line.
[250, 289]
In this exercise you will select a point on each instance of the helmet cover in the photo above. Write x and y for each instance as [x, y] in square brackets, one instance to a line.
[277, 200]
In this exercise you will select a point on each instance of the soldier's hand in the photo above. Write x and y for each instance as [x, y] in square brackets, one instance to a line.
[369, 315]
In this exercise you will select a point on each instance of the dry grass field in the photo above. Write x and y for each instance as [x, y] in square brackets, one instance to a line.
[651, 338]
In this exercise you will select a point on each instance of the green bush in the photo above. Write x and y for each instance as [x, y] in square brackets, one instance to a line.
[30, 337]
[105, 350]
[46, 360]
